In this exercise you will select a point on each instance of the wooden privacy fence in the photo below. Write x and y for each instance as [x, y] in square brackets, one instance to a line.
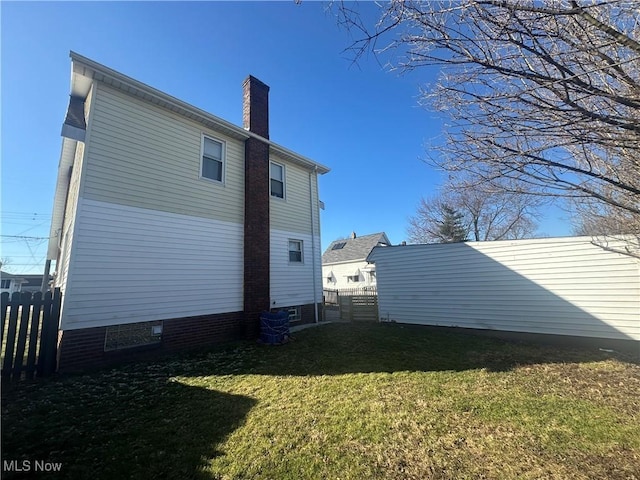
[361, 307]
[29, 334]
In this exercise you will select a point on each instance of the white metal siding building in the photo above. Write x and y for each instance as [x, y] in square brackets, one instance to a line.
[579, 286]
[140, 235]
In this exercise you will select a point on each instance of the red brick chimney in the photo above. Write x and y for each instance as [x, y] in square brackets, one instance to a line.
[255, 106]
[255, 118]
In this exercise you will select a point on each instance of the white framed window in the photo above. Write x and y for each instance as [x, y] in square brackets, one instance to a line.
[212, 159]
[295, 251]
[5, 284]
[295, 313]
[276, 174]
[353, 278]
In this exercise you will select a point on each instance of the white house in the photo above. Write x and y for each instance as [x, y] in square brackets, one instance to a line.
[576, 286]
[11, 283]
[172, 227]
[344, 262]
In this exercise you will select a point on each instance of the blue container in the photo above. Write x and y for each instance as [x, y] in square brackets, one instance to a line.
[274, 327]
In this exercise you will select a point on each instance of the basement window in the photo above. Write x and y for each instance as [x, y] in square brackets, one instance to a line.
[132, 335]
[295, 314]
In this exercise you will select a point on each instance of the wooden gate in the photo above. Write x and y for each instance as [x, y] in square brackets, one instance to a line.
[29, 334]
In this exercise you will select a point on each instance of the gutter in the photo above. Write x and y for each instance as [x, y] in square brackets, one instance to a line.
[313, 244]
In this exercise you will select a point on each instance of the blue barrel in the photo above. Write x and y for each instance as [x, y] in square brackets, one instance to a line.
[274, 327]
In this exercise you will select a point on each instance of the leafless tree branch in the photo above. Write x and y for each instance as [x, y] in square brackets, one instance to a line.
[543, 97]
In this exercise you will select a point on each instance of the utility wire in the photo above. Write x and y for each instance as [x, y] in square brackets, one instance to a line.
[24, 237]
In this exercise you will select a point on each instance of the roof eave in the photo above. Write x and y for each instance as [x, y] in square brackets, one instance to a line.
[59, 200]
[83, 67]
[362, 259]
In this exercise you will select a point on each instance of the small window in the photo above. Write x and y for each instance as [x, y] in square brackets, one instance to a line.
[5, 284]
[294, 314]
[295, 251]
[353, 278]
[277, 180]
[212, 159]
[339, 246]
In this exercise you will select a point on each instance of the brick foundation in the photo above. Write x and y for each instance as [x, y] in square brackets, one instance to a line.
[83, 349]
[308, 314]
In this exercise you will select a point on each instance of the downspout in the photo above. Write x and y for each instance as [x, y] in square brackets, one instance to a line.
[313, 243]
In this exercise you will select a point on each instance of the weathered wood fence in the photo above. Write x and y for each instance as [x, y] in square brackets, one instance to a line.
[356, 305]
[29, 334]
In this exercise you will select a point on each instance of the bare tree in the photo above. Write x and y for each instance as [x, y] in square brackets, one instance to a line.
[595, 218]
[5, 263]
[545, 95]
[485, 215]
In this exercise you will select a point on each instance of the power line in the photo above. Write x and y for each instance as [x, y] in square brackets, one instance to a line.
[25, 213]
[24, 237]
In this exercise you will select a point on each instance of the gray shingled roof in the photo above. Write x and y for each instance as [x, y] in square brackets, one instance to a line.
[354, 248]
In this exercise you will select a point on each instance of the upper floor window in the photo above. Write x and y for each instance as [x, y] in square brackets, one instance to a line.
[212, 159]
[295, 251]
[5, 283]
[277, 180]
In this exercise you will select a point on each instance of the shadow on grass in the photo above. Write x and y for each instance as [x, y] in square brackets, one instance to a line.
[127, 423]
[143, 420]
[336, 349]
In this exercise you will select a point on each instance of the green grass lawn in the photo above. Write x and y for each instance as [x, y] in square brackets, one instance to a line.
[341, 401]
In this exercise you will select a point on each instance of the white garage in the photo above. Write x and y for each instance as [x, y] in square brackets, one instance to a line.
[579, 286]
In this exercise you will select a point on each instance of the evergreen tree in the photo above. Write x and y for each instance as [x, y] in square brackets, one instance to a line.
[451, 228]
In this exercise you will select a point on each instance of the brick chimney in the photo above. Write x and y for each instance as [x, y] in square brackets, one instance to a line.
[255, 106]
[255, 113]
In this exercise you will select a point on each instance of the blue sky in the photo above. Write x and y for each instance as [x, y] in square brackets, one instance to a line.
[360, 120]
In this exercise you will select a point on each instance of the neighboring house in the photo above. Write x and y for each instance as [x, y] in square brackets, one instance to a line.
[173, 228]
[11, 283]
[344, 263]
[573, 286]
[20, 283]
[33, 283]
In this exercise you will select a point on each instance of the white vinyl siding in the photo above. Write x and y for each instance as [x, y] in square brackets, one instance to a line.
[294, 214]
[66, 235]
[565, 286]
[134, 265]
[141, 155]
[292, 283]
